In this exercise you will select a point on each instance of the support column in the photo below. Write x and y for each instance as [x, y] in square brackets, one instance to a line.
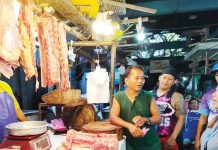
[113, 61]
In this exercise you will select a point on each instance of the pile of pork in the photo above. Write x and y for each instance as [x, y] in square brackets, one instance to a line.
[89, 140]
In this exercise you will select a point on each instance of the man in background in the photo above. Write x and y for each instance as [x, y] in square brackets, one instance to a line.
[171, 107]
[178, 87]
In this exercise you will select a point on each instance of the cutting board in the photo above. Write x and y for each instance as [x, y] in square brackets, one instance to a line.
[97, 127]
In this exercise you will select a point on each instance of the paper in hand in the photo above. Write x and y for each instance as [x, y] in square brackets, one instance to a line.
[144, 131]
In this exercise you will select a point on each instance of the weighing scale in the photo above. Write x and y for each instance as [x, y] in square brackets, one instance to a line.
[32, 142]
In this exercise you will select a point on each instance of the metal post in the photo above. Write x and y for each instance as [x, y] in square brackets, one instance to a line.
[206, 62]
[193, 80]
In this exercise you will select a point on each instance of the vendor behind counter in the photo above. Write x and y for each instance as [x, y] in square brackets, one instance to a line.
[9, 108]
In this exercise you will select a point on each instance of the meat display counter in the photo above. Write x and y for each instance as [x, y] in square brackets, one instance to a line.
[57, 140]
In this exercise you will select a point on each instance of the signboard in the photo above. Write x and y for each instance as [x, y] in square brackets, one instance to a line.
[156, 66]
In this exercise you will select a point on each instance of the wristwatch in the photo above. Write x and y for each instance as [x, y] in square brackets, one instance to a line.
[148, 121]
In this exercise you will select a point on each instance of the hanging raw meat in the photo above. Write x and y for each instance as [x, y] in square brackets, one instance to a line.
[27, 30]
[53, 52]
[63, 59]
[60, 50]
[10, 43]
[50, 69]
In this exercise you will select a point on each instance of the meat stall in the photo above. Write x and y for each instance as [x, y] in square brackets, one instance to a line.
[39, 23]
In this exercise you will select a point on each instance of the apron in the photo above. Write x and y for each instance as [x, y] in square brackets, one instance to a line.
[7, 113]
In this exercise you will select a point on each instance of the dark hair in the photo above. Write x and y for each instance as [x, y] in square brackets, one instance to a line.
[193, 99]
[128, 70]
[170, 70]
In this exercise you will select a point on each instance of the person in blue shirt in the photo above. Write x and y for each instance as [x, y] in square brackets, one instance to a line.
[191, 123]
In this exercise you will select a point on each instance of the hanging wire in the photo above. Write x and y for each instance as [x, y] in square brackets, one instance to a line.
[77, 49]
[97, 54]
[98, 60]
[127, 28]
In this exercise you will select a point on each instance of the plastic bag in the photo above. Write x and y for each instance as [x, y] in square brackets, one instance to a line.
[8, 113]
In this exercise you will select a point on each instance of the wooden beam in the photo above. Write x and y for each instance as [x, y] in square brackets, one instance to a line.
[134, 7]
[194, 32]
[193, 44]
[126, 21]
[113, 61]
[91, 43]
[127, 45]
[71, 12]
[135, 35]
[77, 34]
[206, 62]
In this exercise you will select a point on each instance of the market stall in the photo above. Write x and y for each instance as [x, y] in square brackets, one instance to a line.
[40, 28]
[206, 50]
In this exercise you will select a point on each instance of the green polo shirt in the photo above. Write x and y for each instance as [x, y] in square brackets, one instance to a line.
[141, 107]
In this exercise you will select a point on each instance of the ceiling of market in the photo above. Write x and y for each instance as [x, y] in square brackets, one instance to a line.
[174, 30]
[194, 20]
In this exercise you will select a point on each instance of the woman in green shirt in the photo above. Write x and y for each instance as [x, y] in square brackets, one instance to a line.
[135, 109]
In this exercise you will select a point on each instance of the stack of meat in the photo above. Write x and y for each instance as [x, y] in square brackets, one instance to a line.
[53, 52]
[93, 141]
[27, 31]
[10, 42]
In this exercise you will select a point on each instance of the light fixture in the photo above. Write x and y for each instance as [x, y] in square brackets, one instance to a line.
[141, 36]
[192, 17]
[184, 78]
[102, 25]
[140, 30]
[109, 29]
[152, 20]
